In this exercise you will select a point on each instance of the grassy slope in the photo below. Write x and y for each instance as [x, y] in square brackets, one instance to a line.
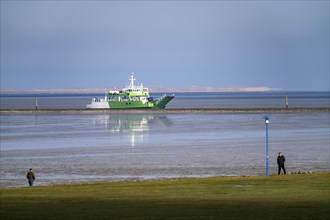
[275, 197]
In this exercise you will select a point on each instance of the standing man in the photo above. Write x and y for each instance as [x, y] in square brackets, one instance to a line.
[280, 163]
[30, 176]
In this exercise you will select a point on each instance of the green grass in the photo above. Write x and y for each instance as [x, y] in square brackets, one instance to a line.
[275, 197]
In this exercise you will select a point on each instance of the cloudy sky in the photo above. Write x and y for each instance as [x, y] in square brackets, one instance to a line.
[95, 44]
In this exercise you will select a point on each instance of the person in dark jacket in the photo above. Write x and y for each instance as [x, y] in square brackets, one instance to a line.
[30, 176]
[280, 163]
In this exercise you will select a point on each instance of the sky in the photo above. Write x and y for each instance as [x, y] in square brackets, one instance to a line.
[279, 45]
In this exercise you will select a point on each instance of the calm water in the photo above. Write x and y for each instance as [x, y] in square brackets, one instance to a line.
[182, 100]
[65, 148]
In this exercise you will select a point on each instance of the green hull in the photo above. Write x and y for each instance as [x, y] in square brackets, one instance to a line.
[137, 104]
[162, 102]
[129, 105]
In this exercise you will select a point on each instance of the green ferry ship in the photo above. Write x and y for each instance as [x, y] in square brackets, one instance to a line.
[130, 97]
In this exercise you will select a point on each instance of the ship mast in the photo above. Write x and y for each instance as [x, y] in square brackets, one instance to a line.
[132, 80]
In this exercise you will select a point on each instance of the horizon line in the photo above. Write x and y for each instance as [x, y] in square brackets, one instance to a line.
[151, 89]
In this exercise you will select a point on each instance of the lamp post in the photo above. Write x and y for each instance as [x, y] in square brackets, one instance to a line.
[266, 122]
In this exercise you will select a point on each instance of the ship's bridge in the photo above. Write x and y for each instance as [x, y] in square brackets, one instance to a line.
[135, 89]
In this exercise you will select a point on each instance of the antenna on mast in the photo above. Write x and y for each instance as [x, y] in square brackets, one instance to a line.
[132, 80]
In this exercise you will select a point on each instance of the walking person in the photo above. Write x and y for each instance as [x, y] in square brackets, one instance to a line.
[280, 163]
[30, 176]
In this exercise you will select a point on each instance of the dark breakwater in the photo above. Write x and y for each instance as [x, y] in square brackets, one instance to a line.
[179, 110]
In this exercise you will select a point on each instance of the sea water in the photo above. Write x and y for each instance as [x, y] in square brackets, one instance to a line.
[74, 148]
[181, 100]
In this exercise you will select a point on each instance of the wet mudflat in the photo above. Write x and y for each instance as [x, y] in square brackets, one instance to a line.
[69, 148]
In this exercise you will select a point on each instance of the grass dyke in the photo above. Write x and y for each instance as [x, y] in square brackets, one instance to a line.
[275, 197]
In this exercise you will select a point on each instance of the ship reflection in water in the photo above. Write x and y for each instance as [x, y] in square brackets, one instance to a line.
[132, 127]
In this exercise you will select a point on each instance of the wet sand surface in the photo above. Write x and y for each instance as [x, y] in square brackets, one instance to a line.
[77, 148]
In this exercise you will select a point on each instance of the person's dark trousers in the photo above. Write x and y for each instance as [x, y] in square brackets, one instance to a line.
[279, 169]
[31, 182]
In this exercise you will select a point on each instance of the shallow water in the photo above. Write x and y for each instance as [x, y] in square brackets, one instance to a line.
[181, 100]
[64, 148]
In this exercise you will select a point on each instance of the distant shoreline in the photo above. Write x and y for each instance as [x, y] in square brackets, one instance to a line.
[173, 110]
[154, 89]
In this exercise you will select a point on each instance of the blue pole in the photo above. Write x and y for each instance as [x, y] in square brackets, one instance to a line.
[266, 149]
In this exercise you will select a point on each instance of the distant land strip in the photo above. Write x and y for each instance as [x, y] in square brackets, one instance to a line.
[171, 110]
[154, 89]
